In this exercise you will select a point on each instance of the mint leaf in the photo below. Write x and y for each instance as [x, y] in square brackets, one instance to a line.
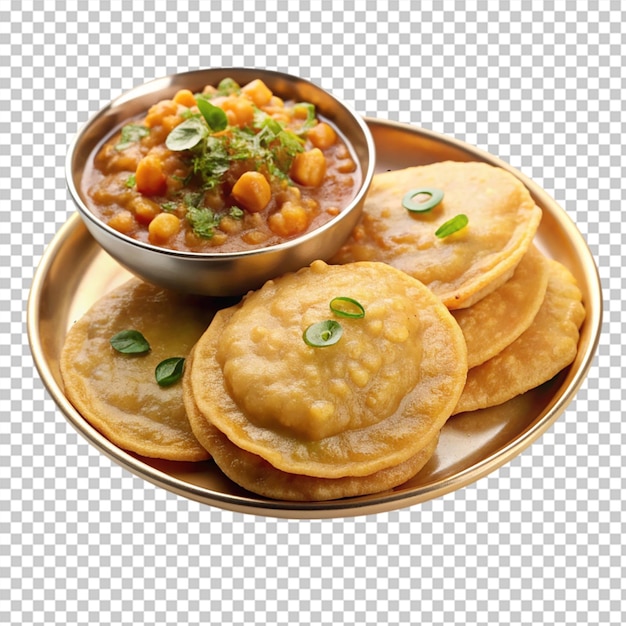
[130, 342]
[131, 133]
[186, 135]
[214, 116]
[169, 371]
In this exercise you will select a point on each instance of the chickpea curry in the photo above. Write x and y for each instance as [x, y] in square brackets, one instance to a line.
[229, 169]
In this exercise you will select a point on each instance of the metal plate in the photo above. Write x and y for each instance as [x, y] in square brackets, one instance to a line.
[74, 272]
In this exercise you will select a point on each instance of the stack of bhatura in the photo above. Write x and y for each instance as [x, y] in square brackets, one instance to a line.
[335, 381]
[520, 312]
[462, 268]
[298, 417]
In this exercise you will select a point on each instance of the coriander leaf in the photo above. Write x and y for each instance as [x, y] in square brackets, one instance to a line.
[290, 142]
[193, 199]
[187, 134]
[130, 342]
[131, 133]
[274, 126]
[310, 120]
[213, 162]
[228, 86]
[284, 151]
[203, 221]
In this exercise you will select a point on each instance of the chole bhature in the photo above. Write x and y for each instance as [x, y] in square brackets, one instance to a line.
[335, 381]
[257, 475]
[364, 404]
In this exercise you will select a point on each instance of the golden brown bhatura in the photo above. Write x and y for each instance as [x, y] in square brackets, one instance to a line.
[255, 474]
[549, 345]
[499, 318]
[461, 268]
[118, 393]
[371, 401]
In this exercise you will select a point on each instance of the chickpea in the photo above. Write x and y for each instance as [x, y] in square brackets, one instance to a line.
[145, 210]
[149, 176]
[309, 168]
[254, 237]
[322, 136]
[231, 225]
[123, 222]
[163, 227]
[170, 122]
[218, 239]
[252, 191]
[185, 97]
[240, 111]
[347, 166]
[258, 92]
[126, 161]
[290, 220]
[158, 111]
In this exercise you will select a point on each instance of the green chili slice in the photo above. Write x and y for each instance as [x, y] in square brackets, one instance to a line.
[323, 334]
[169, 371]
[435, 197]
[130, 342]
[347, 307]
[452, 226]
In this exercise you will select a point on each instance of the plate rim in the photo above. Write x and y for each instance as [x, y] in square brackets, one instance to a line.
[385, 501]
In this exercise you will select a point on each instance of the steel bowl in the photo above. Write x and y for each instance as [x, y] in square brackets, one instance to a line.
[215, 273]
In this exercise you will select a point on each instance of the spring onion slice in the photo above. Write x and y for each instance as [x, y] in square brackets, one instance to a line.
[169, 371]
[322, 334]
[347, 307]
[435, 197]
[452, 226]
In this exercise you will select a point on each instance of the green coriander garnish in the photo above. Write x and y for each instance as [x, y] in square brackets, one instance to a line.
[347, 307]
[169, 371]
[323, 334]
[130, 182]
[131, 133]
[310, 120]
[130, 342]
[452, 226]
[169, 206]
[434, 197]
[203, 221]
[228, 86]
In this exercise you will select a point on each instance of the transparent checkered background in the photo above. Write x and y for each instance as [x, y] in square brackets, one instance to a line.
[540, 84]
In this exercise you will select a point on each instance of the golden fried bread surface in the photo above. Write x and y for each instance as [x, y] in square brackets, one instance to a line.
[544, 349]
[117, 393]
[466, 266]
[367, 403]
[499, 318]
[255, 474]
